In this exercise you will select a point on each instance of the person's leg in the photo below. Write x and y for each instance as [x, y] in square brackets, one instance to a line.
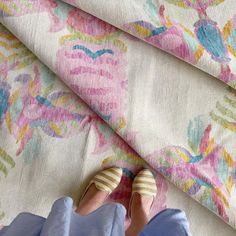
[140, 210]
[144, 191]
[168, 222]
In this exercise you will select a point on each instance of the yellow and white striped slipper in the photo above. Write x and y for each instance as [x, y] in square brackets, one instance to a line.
[107, 180]
[145, 184]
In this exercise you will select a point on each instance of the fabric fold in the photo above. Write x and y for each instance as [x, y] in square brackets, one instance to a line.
[193, 31]
[39, 113]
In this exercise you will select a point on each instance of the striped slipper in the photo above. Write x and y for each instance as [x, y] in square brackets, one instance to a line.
[106, 180]
[145, 185]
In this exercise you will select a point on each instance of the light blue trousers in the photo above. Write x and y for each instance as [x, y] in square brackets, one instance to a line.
[108, 220]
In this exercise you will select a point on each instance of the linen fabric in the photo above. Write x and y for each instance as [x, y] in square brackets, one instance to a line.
[126, 104]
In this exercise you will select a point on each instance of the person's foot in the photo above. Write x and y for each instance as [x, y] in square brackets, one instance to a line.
[93, 199]
[100, 187]
[140, 206]
[143, 193]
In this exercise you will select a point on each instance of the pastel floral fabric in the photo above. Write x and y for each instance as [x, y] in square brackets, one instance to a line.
[202, 33]
[125, 104]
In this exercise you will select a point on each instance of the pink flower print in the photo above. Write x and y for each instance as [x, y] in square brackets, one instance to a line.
[88, 24]
[96, 73]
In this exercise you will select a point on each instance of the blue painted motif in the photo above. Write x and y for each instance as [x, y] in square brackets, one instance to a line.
[91, 54]
[43, 101]
[3, 103]
[211, 39]
[159, 30]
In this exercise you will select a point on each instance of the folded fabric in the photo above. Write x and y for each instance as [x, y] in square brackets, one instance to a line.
[179, 120]
[202, 33]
